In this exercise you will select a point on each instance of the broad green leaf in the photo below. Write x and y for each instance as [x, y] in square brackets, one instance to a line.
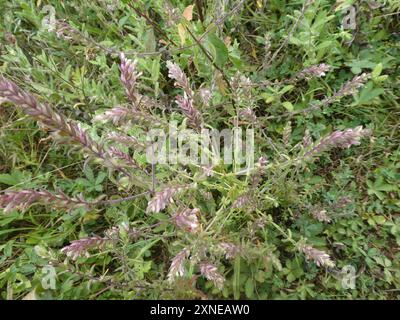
[379, 219]
[368, 94]
[377, 70]
[218, 50]
[288, 105]
[14, 178]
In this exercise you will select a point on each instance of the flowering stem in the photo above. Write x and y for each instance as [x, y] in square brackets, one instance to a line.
[66, 128]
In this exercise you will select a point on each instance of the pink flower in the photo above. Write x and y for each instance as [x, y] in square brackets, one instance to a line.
[321, 258]
[187, 220]
[129, 77]
[341, 139]
[23, 199]
[80, 247]
[210, 272]
[177, 265]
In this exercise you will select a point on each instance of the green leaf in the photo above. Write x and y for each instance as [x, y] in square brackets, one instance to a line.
[100, 177]
[290, 277]
[368, 94]
[377, 70]
[294, 40]
[14, 178]
[358, 65]
[286, 89]
[236, 279]
[8, 179]
[379, 219]
[123, 21]
[249, 288]
[218, 50]
[288, 105]
[89, 174]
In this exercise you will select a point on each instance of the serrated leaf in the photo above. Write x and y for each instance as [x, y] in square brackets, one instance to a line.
[100, 178]
[89, 174]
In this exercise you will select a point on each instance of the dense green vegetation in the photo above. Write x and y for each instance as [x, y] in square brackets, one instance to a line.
[83, 215]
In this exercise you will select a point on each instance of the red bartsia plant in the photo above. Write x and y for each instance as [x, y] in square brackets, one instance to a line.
[187, 220]
[312, 72]
[192, 114]
[47, 116]
[177, 268]
[321, 215]
[321, 258]
[185, 102]
[120, 114]
[129, 77]
[181, 80]
[340, 139]
[207, 269]
[248, 197]
[231, 250]
[210, 272]
[241, 88]
[126, 140]
[125, 158]
[23, 199]
[81, 247]
[58, 123]
[242, 200]
[163, 198]
[307, 140]
[347, 89]
[248, 114]
[287, 131]
[64, 30]
[115, 115]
